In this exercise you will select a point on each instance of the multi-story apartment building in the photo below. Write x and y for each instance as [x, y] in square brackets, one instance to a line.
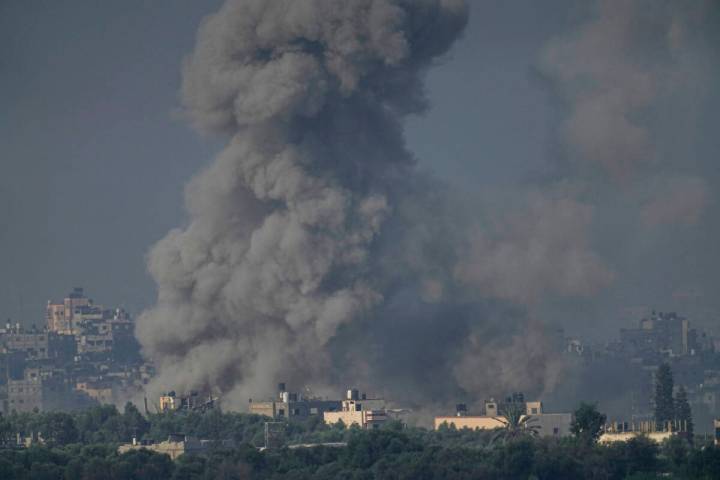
[38, 344]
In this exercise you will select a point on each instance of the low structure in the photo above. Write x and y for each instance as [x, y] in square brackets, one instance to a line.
[177, 444]
[545, 424]
[359, 410]
[624, 431]
[171, 401]
[288, 404]
[613, 437]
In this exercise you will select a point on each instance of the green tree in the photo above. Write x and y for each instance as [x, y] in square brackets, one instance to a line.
[683, 413]
[664, 401]
[516, 423]
[60, 429]
[675, 450]
[6, 431]
[587, 423]
[135, 425]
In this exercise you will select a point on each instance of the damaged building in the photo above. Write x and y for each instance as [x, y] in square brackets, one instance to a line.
[292, 404]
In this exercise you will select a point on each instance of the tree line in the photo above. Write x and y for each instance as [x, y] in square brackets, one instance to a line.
[83, 445]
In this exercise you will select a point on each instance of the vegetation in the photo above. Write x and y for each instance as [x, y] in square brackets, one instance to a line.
[664, 402]
[683, 412]
[587, 423]
[83, 446]
[671, 410]
[516, 423]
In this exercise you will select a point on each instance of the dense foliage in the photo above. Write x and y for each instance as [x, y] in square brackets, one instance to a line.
[664, 402]
[83, 445]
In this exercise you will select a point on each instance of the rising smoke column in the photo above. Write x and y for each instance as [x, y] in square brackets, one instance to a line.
[279, 249]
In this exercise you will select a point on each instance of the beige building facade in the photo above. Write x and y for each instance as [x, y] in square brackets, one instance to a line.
[358, 409]
[546, 424]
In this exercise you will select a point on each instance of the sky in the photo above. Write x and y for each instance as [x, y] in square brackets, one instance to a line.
[94, 155]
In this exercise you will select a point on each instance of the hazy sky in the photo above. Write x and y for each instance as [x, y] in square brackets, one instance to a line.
[93, 159]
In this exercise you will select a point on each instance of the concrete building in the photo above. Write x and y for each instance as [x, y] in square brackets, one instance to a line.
[358, 409]
[37, 390]
[288, 404]
[177, 444]
[38, 344]
[171, 401]
[613, 437]
[546, 424]
[624, 431]
[660, 332]
[61, 318]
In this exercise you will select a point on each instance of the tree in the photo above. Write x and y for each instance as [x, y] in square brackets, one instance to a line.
[6, 431]
[60, 428]
[587, 423]
[664, 402]
[135, 424]
[516, 423]
[683, 413]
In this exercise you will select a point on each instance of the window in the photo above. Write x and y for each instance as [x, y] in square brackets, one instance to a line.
[281, 412]
[556, 431]
[313, 411]
[296, 411]
[533, 411]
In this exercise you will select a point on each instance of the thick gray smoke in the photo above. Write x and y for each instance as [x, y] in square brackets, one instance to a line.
[636, 83]
[278, 253]
[317, 253]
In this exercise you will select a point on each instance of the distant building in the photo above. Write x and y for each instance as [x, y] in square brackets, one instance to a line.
[288, 404]
[661, 332]
[101, 392]
[85, 353]
[177, 444]
[37, 390]
[624, 431]
[61, 318]
[359, 410]
[171, 401]
[96, 329]
[38, 345]
[546, 424]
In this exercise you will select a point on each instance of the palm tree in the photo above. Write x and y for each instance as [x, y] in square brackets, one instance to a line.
[516, 423]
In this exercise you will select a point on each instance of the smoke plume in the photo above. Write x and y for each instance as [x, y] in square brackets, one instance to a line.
[279, 250]
[317, 253]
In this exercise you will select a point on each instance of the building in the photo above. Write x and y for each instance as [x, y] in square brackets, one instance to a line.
[359, 410]
[288, 404]
[546, 424]
[61, 318]
[37, 390]
[177, 444]
[101, 392]
[84, 354]
[661, 332]
[624, 431]
[171, 401]
[38, 345]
